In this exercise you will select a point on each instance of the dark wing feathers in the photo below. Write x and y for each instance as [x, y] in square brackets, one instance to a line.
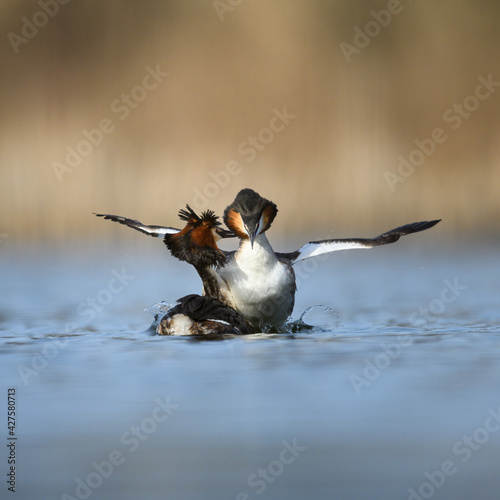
[394, 234]
[155, 231]
[315, 248]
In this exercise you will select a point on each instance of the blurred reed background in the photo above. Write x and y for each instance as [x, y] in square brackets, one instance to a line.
[231, 67]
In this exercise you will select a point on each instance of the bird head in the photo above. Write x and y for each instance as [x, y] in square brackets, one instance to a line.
[249, 215]
[196, 243]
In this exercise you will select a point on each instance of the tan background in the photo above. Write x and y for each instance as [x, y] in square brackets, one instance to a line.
[325, 169]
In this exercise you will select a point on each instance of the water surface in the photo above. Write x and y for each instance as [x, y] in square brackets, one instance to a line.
[399, 380]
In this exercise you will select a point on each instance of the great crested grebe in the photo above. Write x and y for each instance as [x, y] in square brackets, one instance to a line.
[196, 245]
[261, 281]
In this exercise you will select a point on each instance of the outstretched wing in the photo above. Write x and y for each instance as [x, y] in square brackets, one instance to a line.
[315, 248]
[155, 231]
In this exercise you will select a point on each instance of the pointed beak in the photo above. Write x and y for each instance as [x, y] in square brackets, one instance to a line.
[253, 235]
[251, 229]
[224, 233]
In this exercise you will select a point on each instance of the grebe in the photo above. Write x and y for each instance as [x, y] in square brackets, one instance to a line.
[255, 280]
[261, 281]
[196, 244]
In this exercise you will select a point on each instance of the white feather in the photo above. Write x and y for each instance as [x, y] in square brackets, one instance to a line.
[314, 249]
[261, 286]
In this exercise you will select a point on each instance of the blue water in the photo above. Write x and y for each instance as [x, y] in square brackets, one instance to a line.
[392, 395]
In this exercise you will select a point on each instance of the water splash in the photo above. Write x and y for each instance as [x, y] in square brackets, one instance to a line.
[158, 310]
[317, 324]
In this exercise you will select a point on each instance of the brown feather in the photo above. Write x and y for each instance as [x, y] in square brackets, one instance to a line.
[202, 237]
[268, 215]
[235, 223]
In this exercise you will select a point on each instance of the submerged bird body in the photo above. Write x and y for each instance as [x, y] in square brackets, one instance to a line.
[203, 315]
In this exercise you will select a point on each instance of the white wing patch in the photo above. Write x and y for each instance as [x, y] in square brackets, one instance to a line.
[314, 249]
[158, 231]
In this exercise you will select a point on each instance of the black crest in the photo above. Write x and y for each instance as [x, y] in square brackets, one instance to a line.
[189, 215]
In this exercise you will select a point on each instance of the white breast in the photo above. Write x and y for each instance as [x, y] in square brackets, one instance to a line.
[263, 288]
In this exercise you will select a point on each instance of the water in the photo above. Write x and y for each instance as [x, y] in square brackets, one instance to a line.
[381, 400]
